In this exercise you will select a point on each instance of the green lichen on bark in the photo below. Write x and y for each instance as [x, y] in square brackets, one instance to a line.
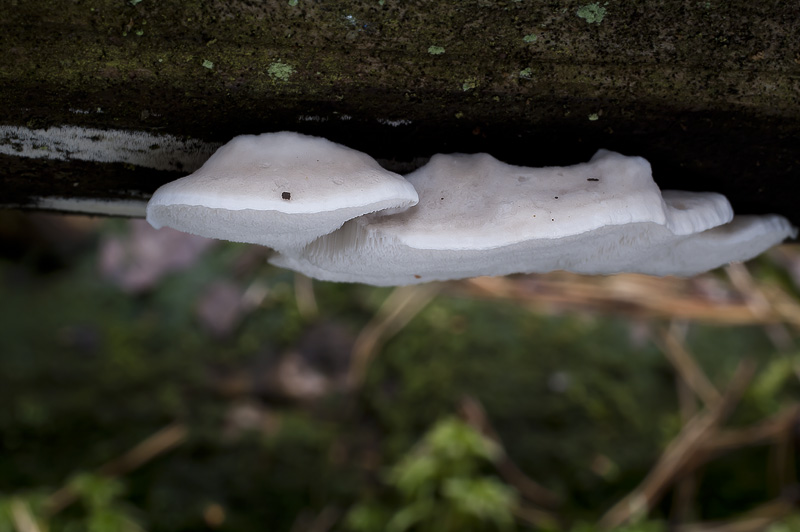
[592, 13]
[280, 71]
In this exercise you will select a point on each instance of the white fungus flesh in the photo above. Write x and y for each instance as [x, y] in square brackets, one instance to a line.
[479, 216]
[280, 190]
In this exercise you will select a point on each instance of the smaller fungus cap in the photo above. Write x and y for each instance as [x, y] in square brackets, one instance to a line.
[745, 237]
[476, 202]
[280, 190]
[605, 216]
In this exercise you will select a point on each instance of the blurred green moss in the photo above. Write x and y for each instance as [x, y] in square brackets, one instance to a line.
[88, 371]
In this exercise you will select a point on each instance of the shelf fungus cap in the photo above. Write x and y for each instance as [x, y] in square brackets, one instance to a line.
[476, 202]
[280, 190]
[479, 216]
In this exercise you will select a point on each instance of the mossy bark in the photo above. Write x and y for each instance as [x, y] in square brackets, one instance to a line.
[708, 91]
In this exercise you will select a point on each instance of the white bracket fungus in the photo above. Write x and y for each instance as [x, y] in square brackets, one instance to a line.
[280, 190]
[475, 215]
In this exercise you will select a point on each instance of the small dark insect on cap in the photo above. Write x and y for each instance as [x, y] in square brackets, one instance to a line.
[286, 195]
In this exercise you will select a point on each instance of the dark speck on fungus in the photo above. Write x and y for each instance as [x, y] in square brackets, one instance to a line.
[286, 195]
[592, 179]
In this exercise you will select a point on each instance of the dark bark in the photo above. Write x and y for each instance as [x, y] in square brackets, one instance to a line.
[708, 91]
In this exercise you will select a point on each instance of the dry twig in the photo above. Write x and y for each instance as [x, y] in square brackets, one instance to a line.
[304, 296]
[158, 443]
[759, 304]
[536, 517]
[322, 522]
[627, 294]
[23, 517]
[679, 453]
[686, 486]
[687, 367]
[756, 520]
[474, 414]
[396, 312]
[770, 430]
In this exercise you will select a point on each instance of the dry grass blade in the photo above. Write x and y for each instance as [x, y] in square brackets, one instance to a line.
[304, 296]
[325, 520]
[158, 443]
[679, 453]
[687, 367]
[627, 294]
[22, 516]
[683, 501]
[399, 308]
[785, 305]
[784, 457]
[474, 414]
[536, 517]
[740, 278]
[776, 431]
[770, 430]
[755, 520]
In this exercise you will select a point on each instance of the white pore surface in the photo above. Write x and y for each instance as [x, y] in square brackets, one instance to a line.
[627, 227]
[280, 190]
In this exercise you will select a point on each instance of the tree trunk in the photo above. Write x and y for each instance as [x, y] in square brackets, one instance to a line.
[707, 91]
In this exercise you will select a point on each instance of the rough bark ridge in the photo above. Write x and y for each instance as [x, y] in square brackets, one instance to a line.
[708, 91]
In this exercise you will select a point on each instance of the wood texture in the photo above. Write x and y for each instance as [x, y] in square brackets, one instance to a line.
[708, 91]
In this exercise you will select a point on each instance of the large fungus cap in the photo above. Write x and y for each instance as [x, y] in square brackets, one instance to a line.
[280, 190]
[479, 216]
